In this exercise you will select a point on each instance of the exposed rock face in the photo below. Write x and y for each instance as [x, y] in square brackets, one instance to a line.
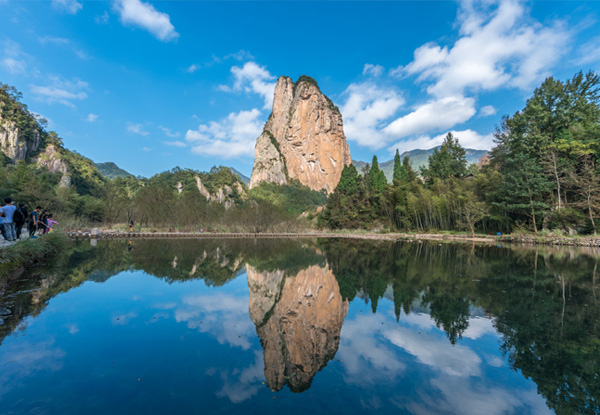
[303, 138]
[299, 320]
[51, 159]
[223, 195]
[13, 141]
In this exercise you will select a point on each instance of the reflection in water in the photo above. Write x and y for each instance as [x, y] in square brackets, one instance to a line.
[299, 319]
[540, 305]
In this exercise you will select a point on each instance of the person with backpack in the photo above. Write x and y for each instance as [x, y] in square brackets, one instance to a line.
[19, 218]
[7, 212]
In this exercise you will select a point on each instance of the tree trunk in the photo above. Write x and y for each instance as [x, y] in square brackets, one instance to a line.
[590, 212]
[555, 168]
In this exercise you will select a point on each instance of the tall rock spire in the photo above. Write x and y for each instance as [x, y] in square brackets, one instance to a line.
[303, 138]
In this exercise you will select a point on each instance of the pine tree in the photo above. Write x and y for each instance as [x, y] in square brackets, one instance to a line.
[399, 170]
[377, 180]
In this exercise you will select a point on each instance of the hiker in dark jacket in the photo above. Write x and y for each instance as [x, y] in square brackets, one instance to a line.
[19, 218]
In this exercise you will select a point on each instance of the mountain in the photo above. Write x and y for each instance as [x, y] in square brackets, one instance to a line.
[111, 170]
[303, 138]
[241, 175]
[418, 158]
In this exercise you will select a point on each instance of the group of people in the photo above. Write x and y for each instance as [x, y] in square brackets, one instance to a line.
[14, 219]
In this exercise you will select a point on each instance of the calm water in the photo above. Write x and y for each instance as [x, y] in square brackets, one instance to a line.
[315, 326]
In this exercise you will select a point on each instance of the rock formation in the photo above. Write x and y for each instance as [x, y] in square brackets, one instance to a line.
[16, 143]
[299, 320]
[303, 138]
[52, 160]
[224, 194]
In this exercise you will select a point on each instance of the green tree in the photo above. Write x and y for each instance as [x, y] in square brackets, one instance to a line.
[399, 170]
[448, 160]
[377, 180]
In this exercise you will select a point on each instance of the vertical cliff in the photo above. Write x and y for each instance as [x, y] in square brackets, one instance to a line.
[303, 138]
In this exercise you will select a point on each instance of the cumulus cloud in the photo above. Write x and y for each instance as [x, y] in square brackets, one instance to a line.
[233, 136]
[91, 118]
[61, 90]
[467, 138]
[252, 78]
[366, 107]
[499, 45]
[487, 111]
[434, 115]
[137, 129]
[145, 16]
[373, 70]
[68, 6]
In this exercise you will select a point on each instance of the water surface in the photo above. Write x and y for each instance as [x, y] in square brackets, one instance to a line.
[314, 326]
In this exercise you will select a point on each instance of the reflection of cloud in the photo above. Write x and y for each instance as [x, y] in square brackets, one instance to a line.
[365, 357]
[223, 316]
[478, 327]
[436, 352]
[19, 360]
[123, 319]
[473, 398]
[240, 385]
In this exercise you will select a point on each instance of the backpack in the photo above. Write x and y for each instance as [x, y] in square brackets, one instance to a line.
[19, 216]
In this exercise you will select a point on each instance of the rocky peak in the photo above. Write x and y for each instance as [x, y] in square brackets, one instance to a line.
[303, 138]
[17, 143]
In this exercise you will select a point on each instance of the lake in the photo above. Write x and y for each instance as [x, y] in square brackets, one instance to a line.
[302, 327]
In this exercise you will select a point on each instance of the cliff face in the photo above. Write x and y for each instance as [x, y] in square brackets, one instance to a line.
[299, 320]
[15, 143]
[303, 138]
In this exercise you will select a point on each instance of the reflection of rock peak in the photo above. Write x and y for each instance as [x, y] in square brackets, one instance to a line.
[299, 320]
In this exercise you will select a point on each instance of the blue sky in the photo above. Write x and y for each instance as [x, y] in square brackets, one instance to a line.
[154, 85]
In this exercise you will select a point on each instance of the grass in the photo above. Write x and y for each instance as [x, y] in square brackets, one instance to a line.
[28, 253]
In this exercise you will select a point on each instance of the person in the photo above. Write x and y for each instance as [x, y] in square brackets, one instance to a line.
[42, 224]
[51, 222]
[7, 212]
[33, 221]
[131, 226]
[19, 218]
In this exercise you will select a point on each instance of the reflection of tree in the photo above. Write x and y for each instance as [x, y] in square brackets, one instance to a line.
[299, 319]
[542, 300]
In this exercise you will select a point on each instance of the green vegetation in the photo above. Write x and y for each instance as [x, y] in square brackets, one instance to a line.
[110, 170]
[30, 252]
[543, 174]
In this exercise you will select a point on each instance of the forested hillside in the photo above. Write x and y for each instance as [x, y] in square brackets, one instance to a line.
[36, 168]
[543, 174]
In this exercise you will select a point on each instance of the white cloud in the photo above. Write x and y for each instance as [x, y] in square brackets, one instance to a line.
[61, 90]
[55, 40]
[499, 45]
[467, 138]
[168, 132]
[175, 143]
[589, 52]
[434, 115]
[365, 108]
[487, 111]
[373, 70]
[137, 129]
[68, 6]
[144, 15]
[91, 118]
[253, 78]
[233, 136]
[14, 60]
[192, 68]
[14, 66]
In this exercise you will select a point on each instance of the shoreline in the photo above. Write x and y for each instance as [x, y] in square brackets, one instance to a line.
[530, 240]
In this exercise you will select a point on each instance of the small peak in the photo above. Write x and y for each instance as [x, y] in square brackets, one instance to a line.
[306, 79]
